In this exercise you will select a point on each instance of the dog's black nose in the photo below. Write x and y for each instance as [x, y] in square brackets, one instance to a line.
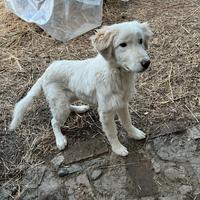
[145, 63]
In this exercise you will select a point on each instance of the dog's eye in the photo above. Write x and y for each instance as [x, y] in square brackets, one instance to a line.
[140, 41]
[123, 44]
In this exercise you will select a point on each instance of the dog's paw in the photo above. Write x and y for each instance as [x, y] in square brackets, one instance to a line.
[83, 108]
[120, 150]
[61, 142]
[136, 134]
[80, 109]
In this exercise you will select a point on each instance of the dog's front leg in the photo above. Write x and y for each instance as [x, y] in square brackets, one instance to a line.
[125, 118]
[109, 127]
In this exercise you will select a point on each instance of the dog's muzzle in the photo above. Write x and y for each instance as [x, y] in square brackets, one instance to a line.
[145, 63]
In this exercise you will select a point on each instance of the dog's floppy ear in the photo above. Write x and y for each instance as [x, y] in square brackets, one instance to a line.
[103, 41]
[147, 33]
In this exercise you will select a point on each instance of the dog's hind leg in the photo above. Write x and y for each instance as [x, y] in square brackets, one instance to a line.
[60, 109]
[79, 109]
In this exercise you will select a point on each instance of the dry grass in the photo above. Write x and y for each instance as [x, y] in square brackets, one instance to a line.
[169, 91]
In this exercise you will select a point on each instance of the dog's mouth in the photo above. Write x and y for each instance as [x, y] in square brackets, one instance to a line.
[138, 69]
[125, 68]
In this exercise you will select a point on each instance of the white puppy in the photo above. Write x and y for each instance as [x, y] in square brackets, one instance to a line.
[106, 80]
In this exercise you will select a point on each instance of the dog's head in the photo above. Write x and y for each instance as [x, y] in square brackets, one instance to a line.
[124, 44]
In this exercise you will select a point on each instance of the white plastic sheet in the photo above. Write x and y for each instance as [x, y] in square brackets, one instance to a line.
[62, 19]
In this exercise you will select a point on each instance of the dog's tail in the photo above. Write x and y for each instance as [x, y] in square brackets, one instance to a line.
[24, 103]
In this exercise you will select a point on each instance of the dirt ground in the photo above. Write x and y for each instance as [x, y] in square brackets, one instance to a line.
[169, 91]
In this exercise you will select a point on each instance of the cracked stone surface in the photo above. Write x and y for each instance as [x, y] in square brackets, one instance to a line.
[185, 189]
[57, 161]
[175, 173]
[194, 132]
[96, 174]
[176, 197]
[166, 168]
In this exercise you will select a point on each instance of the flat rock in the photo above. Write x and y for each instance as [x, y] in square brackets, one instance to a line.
[175, 197]
[51, 188]
[140, 173]
[79, 188]
[156, 166]
[34, 176]
[178, 149]
[48, 186]
[185, 189]
[81, 151]
[171, 127]
[174, 173]
[64, 171]
[112, 185]
[197, 191]
[195, 163]
[96, 174]
[194, 132]
[57, 161]
[147, 198]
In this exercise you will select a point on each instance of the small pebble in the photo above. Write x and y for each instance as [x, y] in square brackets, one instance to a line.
[57, 161]
[175, 173]
[185, 189]
[197, 192]
[96, 174]
[156, 166]
[194, 133]
[64, 171]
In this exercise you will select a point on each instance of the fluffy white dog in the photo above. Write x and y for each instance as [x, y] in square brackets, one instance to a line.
[106, 81]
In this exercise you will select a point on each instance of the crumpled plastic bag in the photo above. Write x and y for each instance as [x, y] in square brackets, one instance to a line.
[62, 19]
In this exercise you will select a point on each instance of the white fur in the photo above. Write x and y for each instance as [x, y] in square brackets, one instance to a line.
[106, 81]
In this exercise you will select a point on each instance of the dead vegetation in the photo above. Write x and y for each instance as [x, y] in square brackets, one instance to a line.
[168, 92]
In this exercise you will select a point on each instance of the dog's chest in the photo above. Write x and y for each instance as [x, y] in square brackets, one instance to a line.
[122, 85]
[114, 89]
